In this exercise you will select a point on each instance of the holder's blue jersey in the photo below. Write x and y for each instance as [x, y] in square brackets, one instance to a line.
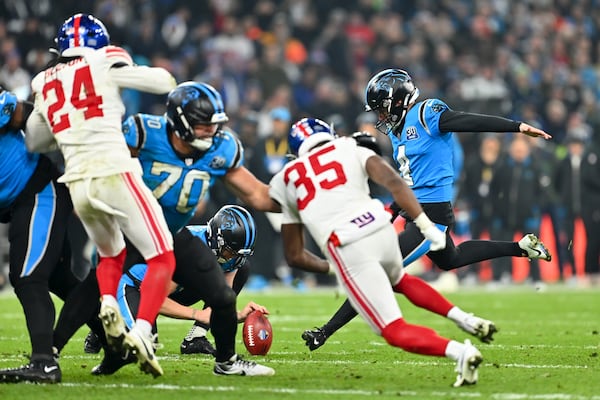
[179, 184]
[16, 163]
[423, 154]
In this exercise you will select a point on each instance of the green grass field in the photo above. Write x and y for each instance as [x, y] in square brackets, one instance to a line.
[547, 348]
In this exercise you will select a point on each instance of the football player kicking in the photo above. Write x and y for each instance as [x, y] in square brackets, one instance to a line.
[231, 234]
[421, 133]
[325, 191]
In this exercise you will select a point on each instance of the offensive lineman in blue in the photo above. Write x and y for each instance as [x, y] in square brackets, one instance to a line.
[37, 208]
[182, 153]
[421, 134]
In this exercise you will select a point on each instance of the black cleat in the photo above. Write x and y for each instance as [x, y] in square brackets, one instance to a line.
[315, 338]
[37, 371]
[92, 344]
[198, 345]
[112, 362]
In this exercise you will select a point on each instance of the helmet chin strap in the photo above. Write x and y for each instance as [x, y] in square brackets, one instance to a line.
[197, 143]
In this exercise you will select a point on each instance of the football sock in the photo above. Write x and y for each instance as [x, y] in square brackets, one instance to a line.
[415, 338]
[80, 306]
[342, 316]
[39, 315]
[109, 272]
[421, 294]
[155, 285]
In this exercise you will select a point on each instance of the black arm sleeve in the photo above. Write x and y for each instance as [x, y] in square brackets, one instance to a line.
[457, 121]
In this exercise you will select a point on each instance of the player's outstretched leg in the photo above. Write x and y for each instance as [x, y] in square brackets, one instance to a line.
[534, 247]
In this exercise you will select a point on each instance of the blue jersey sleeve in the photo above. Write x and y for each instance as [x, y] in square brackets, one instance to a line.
[130, 131]
[231, 148]
[430, 112]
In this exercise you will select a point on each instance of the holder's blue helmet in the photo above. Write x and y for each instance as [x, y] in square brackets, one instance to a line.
[231, 228]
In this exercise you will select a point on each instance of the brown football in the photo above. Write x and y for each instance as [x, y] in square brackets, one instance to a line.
[258, 333]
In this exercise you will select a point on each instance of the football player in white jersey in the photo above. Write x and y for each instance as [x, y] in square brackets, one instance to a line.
[77, 105]
[325, 190]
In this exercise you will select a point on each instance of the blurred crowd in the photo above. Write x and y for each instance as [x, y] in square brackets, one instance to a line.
[275, 61]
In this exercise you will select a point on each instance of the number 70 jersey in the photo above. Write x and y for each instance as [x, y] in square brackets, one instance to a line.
[178, 183]
[83, 108]
[327, 191]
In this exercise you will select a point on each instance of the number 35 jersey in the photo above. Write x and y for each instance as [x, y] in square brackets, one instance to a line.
[79, 99]
[179, 184]
[327, 191]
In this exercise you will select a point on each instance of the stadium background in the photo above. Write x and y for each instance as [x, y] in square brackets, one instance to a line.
[533, 60]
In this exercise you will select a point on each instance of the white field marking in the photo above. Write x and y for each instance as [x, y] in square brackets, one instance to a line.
[442, 362]
[348, 392]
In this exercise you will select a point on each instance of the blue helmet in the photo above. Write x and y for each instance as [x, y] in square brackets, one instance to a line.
[232, 228]
[192, 103]
[307, 133]
[8, 101]
[390, 93]
[82, 30]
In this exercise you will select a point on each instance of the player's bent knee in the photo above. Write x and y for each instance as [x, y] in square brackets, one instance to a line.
[222, 297]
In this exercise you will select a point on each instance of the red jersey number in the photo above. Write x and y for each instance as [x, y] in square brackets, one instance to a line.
[319, 168]
[83, 98]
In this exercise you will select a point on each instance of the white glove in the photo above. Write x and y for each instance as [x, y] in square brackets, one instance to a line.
[436, 237]
[431, 232]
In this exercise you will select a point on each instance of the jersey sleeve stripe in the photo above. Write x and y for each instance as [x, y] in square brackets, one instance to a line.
[422, 117]
[117, 52]
[238, 153]
[141, 136]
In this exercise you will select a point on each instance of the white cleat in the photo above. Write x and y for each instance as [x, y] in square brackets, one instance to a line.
[534, 248]
[237, 366]
[467, 365]
[480, 328]
[143, 349]
[114, 326]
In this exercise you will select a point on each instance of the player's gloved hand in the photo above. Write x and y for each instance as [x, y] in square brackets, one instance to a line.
[431, 232]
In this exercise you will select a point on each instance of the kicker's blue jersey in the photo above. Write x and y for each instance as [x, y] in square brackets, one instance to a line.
[179, 184]
[16, 163]
[423, 154]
